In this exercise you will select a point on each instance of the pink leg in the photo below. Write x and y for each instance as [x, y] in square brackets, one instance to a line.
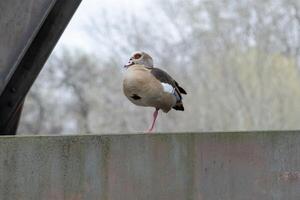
[153, 121]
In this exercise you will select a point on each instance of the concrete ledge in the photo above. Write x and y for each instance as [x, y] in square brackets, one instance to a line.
[262, 165]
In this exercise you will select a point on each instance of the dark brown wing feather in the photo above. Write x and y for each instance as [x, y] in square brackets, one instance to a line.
[180, 88]
[164, 77]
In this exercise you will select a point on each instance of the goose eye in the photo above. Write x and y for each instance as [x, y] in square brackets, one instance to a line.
[137, 56]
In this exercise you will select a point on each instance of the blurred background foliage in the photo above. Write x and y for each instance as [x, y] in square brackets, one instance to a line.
[238, 60]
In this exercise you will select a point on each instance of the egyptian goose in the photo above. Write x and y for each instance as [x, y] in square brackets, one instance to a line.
[145, 85]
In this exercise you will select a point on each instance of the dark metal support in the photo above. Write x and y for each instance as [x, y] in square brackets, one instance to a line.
[11, 100]
[12, 124]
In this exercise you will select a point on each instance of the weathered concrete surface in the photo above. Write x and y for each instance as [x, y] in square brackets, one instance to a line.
[210, 166]
[19, 22]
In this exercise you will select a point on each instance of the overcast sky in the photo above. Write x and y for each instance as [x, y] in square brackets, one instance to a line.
[76, 36]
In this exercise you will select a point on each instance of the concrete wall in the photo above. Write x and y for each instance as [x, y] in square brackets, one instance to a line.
[208, 166]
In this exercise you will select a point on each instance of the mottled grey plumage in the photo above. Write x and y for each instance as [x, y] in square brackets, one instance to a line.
[164, 77]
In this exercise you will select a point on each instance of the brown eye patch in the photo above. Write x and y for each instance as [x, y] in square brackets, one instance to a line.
[137, 56]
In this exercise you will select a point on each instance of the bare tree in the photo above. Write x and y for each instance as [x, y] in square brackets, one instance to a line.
[239, 62]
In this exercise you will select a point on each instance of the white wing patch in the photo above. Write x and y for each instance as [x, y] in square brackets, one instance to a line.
[168, 88]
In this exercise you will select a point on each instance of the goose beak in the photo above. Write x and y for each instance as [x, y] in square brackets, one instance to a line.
[128, 64]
